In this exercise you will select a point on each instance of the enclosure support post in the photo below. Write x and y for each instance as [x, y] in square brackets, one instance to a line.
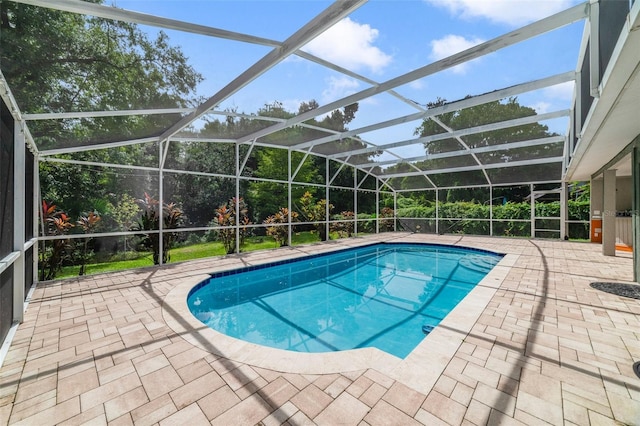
[532, 211]
[36, 212]
[437, 213]
[609, 214]
[355, 201]
[39, 218]
[237, 204]
[564, 232]
[395, 209]
[18, 220]
[491, 210]
[328, 201]
[635, 217]
[160, 204]
[377, 206]
[289, 200]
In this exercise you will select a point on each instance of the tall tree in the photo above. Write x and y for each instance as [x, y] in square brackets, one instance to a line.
[491, 112]
[57, 61]
[267, 197]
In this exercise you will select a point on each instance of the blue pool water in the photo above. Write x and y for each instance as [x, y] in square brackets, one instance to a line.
[384, 295]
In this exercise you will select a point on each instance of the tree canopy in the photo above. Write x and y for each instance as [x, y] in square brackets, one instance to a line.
[64, 62]
[491, 112]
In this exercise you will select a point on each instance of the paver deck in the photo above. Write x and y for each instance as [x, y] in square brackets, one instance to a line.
[532, 344]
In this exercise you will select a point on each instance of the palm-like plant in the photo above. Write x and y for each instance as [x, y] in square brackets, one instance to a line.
[225, 217]
[172, 219]
[88, 224]
[150, 221]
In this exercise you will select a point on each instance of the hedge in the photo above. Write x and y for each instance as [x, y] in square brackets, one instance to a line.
[459, 217]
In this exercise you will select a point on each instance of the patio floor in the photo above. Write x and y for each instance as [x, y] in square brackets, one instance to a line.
[535, 344]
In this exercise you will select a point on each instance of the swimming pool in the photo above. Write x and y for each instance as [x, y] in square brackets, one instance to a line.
[386, 295]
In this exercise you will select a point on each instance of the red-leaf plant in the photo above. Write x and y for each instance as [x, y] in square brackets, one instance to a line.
[54, 223]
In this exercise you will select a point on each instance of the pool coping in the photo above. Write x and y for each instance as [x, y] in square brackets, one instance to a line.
[419, 370]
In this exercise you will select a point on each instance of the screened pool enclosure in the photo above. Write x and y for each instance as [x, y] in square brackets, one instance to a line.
[133, 132]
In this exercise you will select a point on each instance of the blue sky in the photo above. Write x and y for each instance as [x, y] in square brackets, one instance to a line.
[381, 40]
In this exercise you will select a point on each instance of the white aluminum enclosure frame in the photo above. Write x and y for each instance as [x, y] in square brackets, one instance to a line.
[587, 11]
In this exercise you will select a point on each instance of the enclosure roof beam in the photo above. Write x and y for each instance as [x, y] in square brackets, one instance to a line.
[462, 132]
[12, 105]
[529, 162]
[117, 14]
[495, 95]
[107, 12]
[341, 70]
[95, 114]
[308, 32]
[542, 26]
[467, 150]
[85, 148]
[484, 185]
[478, 150]
[208, 140]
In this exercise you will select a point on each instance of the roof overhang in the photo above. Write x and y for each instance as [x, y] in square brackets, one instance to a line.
[613, 121]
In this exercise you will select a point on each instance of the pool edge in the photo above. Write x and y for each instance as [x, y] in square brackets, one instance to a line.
[419, 370]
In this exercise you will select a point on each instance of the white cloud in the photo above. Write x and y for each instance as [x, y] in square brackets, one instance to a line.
[542, 107]
[339, 87]
[563, 91]
[417, 84]
[350, 44]
[510, 12]
[291, 105]
[450, 44]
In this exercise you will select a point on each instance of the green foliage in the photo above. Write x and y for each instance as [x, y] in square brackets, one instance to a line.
[315, 212]
[366, 223]
[579, 209]
[196, 194]
[124, 214]
[58, 61]
[464, 210]
[510, 219]
[272, 163]
[267, 197]
[122, 261]
[125, 211]
[491, 112]
[417, 211]
[345, 225]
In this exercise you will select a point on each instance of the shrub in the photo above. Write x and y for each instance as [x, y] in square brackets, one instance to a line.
[172, 218]
[280, 232]
[225, 217]
[54, 253]
[315, 211]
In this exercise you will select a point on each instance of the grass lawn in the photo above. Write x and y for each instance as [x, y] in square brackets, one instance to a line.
[133, 260]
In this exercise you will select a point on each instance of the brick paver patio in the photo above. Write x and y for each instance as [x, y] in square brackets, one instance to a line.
[540, 347]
